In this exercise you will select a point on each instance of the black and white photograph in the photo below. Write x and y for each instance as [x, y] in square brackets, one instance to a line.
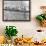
[16, 10]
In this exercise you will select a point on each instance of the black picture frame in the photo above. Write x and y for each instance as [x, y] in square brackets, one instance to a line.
[16, 20]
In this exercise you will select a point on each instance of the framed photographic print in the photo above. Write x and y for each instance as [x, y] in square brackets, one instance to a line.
[16, 10]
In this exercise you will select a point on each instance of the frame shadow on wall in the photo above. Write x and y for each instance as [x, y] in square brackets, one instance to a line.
[16, 10]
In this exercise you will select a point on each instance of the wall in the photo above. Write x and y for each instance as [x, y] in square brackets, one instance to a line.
[25, 28]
